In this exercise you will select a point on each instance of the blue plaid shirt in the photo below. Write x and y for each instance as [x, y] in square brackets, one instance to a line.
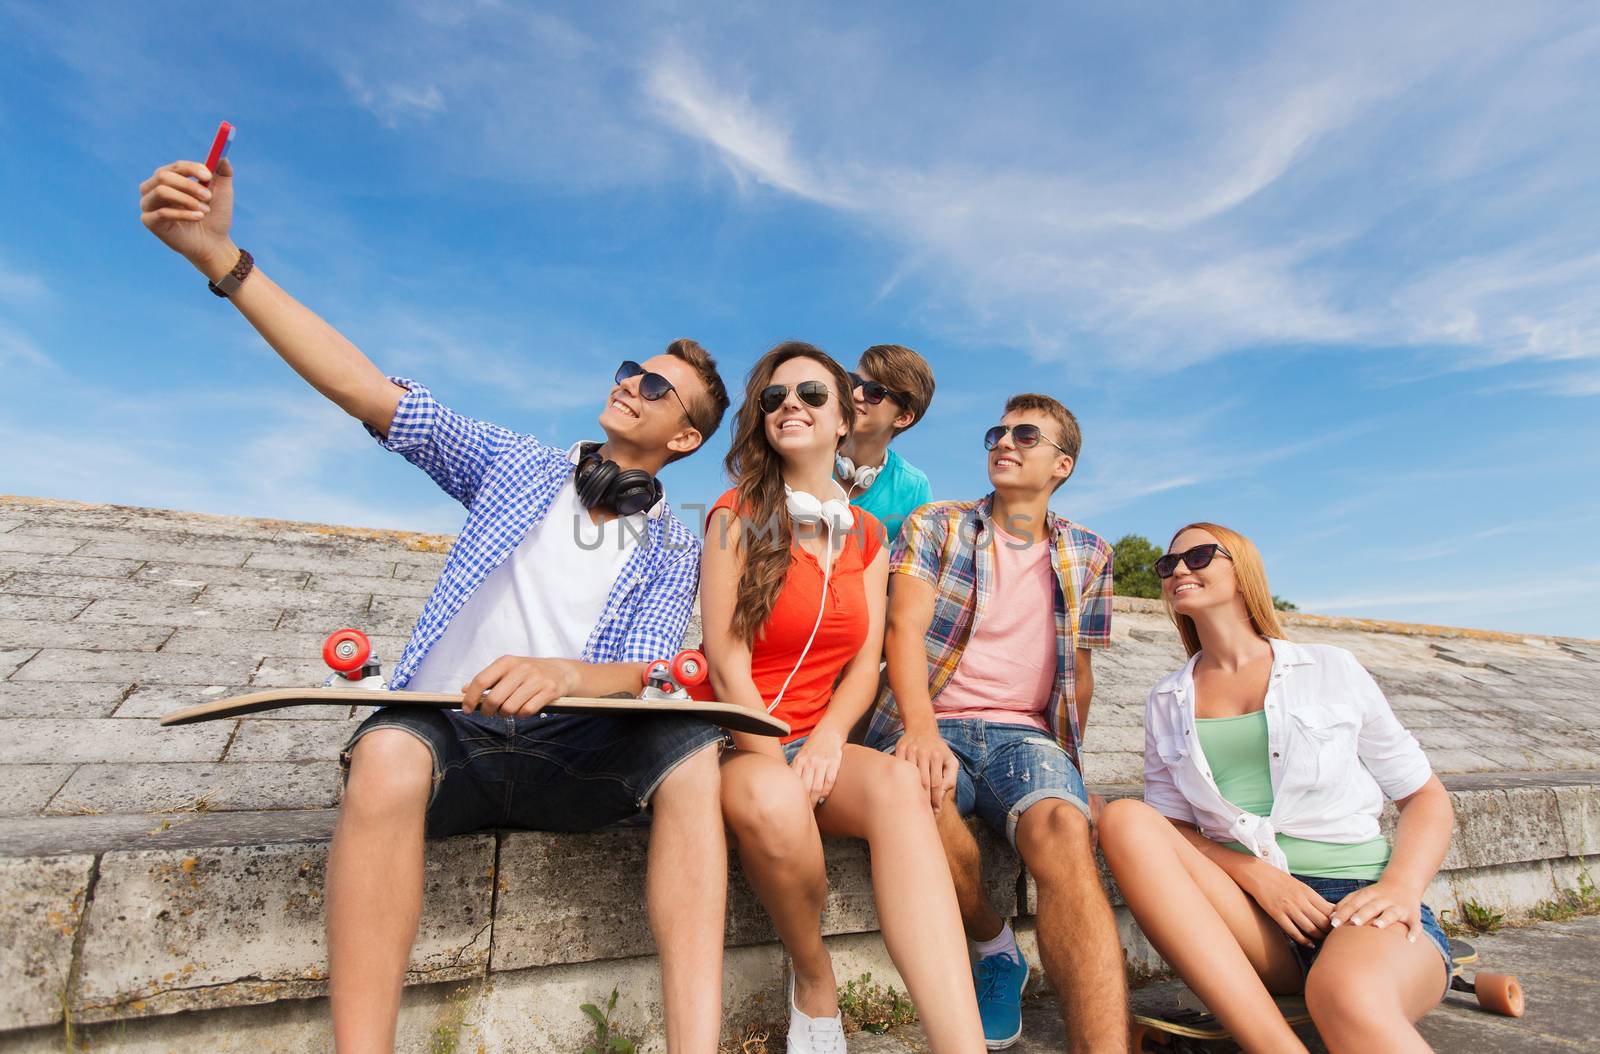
[507, 481]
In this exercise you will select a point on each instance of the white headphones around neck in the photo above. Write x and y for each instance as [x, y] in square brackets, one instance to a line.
[808, 508]
[836, 514]
[855, 475]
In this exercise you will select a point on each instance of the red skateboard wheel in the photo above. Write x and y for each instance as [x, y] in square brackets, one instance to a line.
[689, 668]
[658, 668]
[346, 650]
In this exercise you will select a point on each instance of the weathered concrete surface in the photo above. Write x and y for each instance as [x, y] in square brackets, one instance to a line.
[41, 909]
[575, 898]
[522, 1012]
[110, 617]
[169, 928]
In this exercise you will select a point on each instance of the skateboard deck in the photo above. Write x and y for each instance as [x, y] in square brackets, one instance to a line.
[1188, 1019]
[1157, 1020]
[727, 715]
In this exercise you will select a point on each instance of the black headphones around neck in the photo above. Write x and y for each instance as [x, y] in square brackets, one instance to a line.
[601, 481]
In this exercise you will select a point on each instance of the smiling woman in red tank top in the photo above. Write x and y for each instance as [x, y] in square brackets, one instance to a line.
[794, 587]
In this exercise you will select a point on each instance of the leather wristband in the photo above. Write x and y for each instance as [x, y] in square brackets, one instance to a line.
[229, 283]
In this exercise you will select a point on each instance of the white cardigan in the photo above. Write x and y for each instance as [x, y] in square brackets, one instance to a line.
[1335, 749]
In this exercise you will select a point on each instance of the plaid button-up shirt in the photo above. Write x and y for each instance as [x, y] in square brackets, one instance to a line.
[950, 545]
[507, 481]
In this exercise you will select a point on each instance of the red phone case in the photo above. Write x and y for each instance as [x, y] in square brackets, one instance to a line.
[219, 146]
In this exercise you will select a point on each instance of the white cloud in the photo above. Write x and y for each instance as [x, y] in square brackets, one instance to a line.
[751, 143]
[395, 102]
[1241, 227]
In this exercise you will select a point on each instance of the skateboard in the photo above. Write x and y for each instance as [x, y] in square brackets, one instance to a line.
[1184, 1024]
[671, 686]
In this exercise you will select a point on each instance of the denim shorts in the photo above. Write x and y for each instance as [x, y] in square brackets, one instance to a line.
[1005, 770]
[1334, 890]
[549, 772]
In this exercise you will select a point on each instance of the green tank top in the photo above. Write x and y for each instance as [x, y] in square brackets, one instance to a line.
[1236, 748]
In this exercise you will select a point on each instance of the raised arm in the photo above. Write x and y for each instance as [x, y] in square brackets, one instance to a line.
[195, 219]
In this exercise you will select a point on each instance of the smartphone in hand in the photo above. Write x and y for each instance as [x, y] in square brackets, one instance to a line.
[219, 146]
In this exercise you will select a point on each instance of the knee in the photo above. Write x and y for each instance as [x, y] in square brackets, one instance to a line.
[390, 771]
[1054, 827]
[1349, 1002]
[1125, 822]
[895, 788]
[1340, 1003]
[771, 816]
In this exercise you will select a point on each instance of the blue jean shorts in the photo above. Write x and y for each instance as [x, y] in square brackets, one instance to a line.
[1334, 890]
[549, 772]
[1005, 770]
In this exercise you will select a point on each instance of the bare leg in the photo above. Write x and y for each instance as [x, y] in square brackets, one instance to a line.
[687, 894]
[1077, 930]
[1223, 946]
[880, 799]
[771, 818]
[978, 916]
[374, 887]
[1368, 986]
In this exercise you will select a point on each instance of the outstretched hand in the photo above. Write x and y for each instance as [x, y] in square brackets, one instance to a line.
[191, 215]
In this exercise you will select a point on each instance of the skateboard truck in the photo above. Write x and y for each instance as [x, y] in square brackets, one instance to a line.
[664, 679]
[348, 653]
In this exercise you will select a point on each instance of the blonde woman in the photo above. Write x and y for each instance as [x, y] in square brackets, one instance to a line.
[1255, 864]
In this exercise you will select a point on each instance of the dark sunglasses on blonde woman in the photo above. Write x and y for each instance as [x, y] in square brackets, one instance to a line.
[812, 393]
[1194, 559]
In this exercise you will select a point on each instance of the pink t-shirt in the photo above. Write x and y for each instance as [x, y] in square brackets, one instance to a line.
[1009, 666]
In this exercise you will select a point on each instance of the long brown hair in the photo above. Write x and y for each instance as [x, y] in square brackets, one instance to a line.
[757, 474]
[1248, 571]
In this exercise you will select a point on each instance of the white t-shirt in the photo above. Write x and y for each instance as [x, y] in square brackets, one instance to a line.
[543, 600]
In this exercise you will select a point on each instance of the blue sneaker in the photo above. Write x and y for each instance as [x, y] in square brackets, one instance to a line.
[999, 980]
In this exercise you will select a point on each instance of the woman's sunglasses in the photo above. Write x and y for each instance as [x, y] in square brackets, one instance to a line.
[652, 386]
[1194, 559]
[812, 393]
[1026, 437]
[873, 392]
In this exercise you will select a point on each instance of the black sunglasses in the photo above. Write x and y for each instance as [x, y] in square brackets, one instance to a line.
[812, 393]
[873, 392]
[652, 386]
[1026, 437]
[1195, 558]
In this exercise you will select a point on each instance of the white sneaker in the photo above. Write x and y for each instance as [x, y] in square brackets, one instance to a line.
[813, 1035]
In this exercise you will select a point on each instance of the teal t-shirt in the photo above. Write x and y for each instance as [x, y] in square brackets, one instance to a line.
[898, 491]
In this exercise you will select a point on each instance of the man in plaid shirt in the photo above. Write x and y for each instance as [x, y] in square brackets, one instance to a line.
[995, 609]
[569, 575]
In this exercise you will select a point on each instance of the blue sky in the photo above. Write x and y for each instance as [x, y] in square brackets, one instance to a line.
[1324, 273]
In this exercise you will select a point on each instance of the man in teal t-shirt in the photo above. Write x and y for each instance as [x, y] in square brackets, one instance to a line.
[893, 386]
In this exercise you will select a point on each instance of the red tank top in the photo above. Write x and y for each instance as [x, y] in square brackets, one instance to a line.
[844, 625]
